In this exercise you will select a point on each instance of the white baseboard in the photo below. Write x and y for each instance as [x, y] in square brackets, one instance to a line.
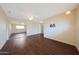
[77, 48]
[2, 44]
[32, 34]
[59, 40]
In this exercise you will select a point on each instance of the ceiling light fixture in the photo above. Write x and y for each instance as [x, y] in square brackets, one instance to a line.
[31, 18]
[68, 12]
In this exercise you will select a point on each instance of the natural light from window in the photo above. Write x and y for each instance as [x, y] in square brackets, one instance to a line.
[19, 27]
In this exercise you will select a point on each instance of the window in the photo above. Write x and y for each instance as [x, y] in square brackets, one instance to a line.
[19, 27]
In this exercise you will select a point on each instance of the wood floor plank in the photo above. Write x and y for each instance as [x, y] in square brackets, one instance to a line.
[20, 44]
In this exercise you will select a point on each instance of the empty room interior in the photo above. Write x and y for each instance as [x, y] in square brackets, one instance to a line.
[39, 29]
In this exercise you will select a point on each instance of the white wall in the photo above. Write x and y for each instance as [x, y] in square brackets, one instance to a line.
[64, 30]
[77, 41]
[33, 28]
[4, 28]
[14, 30]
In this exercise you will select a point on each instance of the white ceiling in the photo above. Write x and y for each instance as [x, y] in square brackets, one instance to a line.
[39, 11]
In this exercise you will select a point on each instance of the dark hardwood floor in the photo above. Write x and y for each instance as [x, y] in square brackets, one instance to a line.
[20, 44]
